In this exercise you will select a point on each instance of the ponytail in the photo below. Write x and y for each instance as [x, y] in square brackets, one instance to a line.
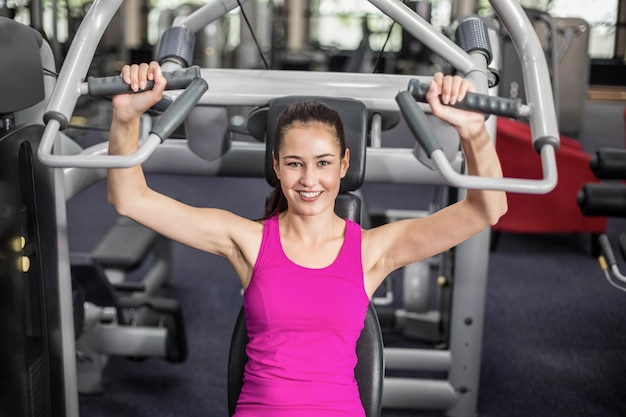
[276, 203]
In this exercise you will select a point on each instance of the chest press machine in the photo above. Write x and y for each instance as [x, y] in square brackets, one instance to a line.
[457, 393]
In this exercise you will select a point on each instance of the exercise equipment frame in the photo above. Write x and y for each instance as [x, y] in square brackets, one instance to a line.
[458, 393]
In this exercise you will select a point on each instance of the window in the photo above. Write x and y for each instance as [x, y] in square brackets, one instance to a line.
[340, 24]
[601, 15]
[602, 18]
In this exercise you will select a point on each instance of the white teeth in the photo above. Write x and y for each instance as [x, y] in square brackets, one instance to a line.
[309, 194]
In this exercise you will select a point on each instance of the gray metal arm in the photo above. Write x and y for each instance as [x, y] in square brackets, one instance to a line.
[541, 111]
[543, 119]
[211, 11]
[609, 265]
[247, 87]
[422, 30]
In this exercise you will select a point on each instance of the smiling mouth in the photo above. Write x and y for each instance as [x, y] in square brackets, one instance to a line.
[309, 194]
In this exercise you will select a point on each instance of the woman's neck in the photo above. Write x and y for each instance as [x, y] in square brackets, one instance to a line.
[311, 229]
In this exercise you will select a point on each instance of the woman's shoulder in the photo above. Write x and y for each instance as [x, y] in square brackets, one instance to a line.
[239, 228]
[374, 240]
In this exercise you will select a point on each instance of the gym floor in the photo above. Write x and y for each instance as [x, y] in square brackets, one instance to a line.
[554, 329]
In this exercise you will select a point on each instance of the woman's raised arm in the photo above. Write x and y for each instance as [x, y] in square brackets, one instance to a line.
[400, 243]
[212, 230]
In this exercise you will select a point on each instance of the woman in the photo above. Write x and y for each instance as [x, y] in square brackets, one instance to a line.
[307, 274]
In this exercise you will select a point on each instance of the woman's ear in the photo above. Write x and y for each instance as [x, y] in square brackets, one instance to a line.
[276, 165]
[345, 163]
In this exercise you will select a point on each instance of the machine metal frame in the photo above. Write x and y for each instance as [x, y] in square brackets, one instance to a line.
[457, 394]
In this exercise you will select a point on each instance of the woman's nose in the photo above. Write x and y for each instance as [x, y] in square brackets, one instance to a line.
[308, 178]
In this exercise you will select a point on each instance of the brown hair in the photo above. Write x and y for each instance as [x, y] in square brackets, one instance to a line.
[301, 112]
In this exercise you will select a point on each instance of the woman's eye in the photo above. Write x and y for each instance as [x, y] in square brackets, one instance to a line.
[324, 163]
[294, 164]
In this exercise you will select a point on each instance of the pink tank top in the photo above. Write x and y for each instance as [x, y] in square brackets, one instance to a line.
[303, 325]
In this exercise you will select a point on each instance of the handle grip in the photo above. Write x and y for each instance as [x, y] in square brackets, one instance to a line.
[498, 106]
[178, 111]
[107, 86]
[421, 129]
[417, 122]
[171, 118]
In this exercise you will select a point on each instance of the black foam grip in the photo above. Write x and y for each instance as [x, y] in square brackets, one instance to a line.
[609, 164]
[483, 103]
[178, 111]
[107, 86]
[417, 122]
[472, 36]
[602, 200]
[177, 42]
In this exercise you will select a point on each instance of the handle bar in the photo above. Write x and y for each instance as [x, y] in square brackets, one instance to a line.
[106, 86]
[422, 131]
[190, 79]
[542, 117]
[498, 106]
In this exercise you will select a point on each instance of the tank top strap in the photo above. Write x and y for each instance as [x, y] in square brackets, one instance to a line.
[269, 241]
[352, 241]
[349, 256]
[349, 259]
[270, 229]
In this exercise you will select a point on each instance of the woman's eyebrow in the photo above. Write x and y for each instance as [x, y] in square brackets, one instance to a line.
[324, 155]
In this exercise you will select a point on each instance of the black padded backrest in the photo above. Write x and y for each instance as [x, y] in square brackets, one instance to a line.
[21, 71]
[369, 371]
[237, 359]
[348, 206]
[354, 116]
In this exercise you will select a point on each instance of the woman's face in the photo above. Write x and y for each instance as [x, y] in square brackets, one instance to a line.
[310, 167]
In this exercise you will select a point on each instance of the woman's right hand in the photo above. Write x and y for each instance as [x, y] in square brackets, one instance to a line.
[130, 107]
[450, 90]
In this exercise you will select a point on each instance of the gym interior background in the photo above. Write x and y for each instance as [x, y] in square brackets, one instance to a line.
[554, 327]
